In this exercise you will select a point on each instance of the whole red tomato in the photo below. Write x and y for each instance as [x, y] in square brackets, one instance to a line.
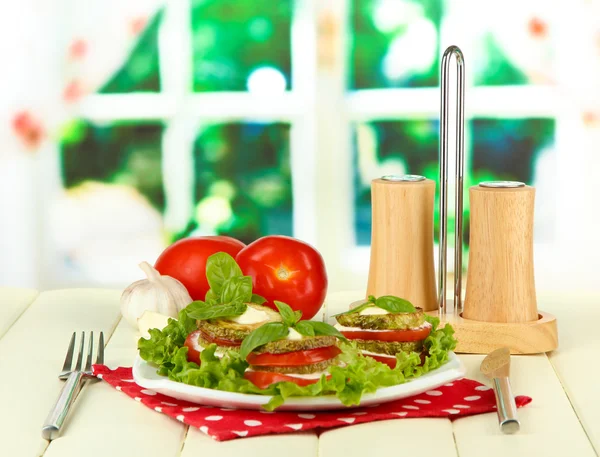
[288, 270]
[185, 260]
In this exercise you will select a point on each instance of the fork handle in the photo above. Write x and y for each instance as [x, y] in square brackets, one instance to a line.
[58, 413]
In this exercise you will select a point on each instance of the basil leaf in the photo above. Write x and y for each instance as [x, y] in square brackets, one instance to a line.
[287, 314]
[215, 311]
[237, 289]
[211, 297]
[194, 306]
[219, 268]
[273, 331]
[304, 328]
[257, 299]
[323, 329]
[395, 304]
[357, 309]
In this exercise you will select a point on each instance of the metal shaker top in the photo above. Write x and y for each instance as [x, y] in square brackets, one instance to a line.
[502, 184]
[403, 178]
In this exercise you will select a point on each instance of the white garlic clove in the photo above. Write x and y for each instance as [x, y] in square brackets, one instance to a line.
[157, 293]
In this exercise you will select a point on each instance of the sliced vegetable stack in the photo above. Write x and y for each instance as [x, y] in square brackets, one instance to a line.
[227, 332]
[384, 327]
[293, 350]
[230, 313]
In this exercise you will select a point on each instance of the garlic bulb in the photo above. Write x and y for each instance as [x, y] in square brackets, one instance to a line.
[157, 293]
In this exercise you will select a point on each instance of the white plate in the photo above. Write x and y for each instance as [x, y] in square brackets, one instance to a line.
[145, 375]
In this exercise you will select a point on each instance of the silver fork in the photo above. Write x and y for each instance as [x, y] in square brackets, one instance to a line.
[74, 377]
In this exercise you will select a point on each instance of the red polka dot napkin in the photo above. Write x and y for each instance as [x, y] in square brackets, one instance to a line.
[464, 397]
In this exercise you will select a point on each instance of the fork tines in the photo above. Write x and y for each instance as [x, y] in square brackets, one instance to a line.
[68, 365]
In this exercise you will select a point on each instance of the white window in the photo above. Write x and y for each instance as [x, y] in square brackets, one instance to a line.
[345, 131]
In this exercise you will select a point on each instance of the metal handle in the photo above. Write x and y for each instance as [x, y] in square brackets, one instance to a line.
[58, 413]
[460, 165]
[507, 408]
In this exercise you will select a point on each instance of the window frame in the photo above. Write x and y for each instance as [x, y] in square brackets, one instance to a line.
[321, 111]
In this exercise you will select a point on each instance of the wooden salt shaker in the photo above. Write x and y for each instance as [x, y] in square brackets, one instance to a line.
[402, 240]
[500, 277]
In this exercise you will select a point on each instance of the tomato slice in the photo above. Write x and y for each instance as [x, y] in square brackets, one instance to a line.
[389, 335]
[293, 359]
[389, 361]
[263, 379]
[194, 348]
[219, 341]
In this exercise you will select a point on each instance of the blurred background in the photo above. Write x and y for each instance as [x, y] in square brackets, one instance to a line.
[128, 125]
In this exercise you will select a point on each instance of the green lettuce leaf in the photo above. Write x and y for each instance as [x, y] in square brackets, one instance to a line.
[161, 347]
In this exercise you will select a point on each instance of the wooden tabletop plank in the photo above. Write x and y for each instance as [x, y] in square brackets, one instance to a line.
[549, 426]
[13, 302]
[31, 355]
[406, 437]
[575, 359]
[290, 445]
[101, 411]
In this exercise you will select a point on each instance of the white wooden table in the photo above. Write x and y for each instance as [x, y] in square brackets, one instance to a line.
[563, 420]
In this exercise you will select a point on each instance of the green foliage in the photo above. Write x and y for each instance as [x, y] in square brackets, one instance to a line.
[231, 38]
[370, 45]
[251, 160]
[140, 72]
[494, 68]
[122, 153]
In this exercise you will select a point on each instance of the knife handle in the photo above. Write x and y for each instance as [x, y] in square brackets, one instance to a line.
[58, 413]
[506, 406]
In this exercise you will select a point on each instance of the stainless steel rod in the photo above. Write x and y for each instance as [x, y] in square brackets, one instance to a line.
[460, 165]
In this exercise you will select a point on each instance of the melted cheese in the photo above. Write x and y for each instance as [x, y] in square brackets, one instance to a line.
[293, 335]
[250, 316]
[373, 311]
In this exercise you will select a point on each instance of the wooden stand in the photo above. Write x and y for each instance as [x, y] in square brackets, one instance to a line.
[477, 337]
[402, 241]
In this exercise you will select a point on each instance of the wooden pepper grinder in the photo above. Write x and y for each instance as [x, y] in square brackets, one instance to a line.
[500, 281]
[402, 240]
